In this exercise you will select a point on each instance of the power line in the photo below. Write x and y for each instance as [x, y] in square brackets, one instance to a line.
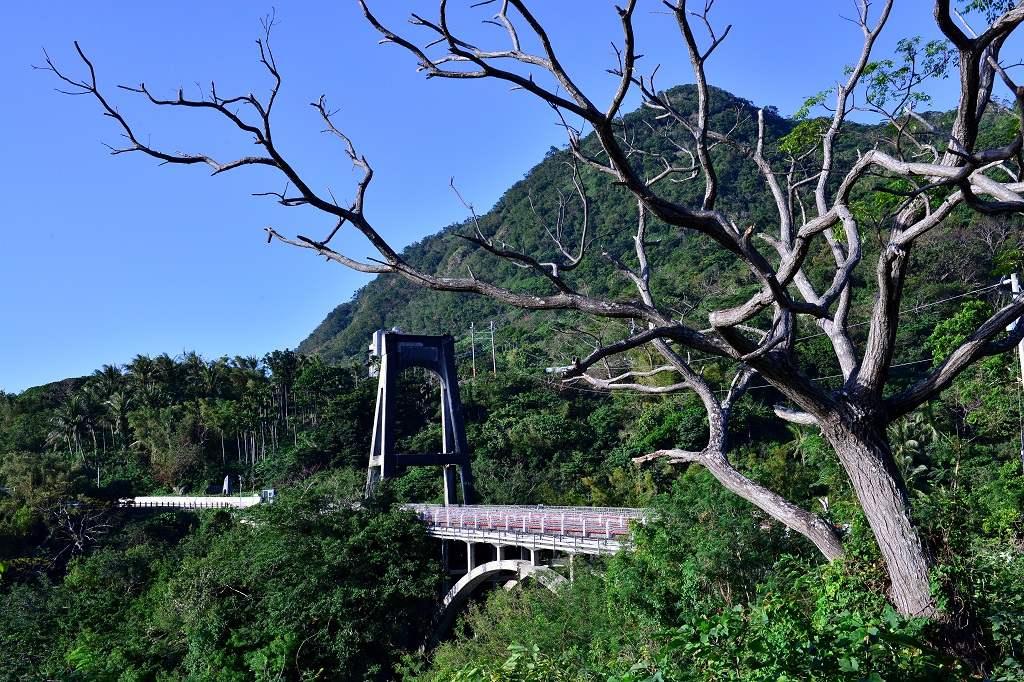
[840, 376]
[914, 309]
[693, 361]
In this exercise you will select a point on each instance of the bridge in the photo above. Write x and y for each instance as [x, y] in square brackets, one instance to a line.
[480, 544]
[194, 502]
[483, 544]
[572, 530]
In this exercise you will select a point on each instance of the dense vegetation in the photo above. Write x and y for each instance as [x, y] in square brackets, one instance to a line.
[315, 586]
[311, 586]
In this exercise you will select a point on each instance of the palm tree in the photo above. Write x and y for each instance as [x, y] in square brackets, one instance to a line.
[802, 440]
[213, 376]
[909, 437]
[170, 376]
[118, 405]
[143, 379]
[68, 425]
[100, 386]
[106, 380]
[191, 372]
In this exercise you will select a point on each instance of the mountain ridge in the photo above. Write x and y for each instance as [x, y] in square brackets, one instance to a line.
[519, 218]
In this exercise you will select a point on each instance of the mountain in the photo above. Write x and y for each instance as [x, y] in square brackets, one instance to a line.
[690, 273]
[521, 218]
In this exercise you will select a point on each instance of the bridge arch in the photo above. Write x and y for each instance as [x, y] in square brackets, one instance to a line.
[462, 590]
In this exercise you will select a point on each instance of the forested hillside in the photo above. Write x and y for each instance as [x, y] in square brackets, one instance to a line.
[687, 268]
[528, 216]
[319, 587]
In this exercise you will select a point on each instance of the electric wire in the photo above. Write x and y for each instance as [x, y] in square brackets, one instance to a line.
[914, 309]
[694, 361]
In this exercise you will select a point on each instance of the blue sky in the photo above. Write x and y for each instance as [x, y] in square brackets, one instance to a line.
[105, 257]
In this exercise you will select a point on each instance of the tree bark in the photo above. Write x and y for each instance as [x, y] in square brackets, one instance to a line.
[860, 442]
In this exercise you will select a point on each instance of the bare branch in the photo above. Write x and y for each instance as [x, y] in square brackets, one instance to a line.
[794, 417]
[977, 345]
[812, 526]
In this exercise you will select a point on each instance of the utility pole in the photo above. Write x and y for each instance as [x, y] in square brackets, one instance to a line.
[1015, 291]
[494, 361]
[472, 337]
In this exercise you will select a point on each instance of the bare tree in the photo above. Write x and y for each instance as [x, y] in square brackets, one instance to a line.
[929, 171]
[74, 525]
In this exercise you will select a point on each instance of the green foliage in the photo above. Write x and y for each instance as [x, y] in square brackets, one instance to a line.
[951, 333]
[523, 665]
[892, 82]
[773, 640]
[804, 625]
[805, 134]
[1009, 262]
[306, 588]
[991, 8]
[812, 102]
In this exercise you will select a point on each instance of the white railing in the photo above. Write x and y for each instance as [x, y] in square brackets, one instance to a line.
[610, 523]
[190, 502]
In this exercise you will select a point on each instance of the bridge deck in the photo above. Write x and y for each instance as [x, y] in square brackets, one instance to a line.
[586, 530]
[190, 501]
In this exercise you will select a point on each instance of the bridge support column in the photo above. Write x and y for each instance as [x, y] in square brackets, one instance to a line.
[470, 563]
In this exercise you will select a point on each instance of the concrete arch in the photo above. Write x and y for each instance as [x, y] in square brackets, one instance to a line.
[461, 591]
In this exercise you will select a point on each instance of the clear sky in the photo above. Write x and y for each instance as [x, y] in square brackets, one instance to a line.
[105, 257]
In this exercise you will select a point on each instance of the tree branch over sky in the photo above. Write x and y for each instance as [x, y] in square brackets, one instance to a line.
[925, 171]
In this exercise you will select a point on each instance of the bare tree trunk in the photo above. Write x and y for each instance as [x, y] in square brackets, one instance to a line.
[864, 451]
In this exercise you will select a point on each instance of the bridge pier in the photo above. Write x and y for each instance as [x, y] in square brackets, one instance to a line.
[459, 557]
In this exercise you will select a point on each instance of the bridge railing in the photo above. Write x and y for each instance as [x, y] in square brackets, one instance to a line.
[183, 502]
[582, 522]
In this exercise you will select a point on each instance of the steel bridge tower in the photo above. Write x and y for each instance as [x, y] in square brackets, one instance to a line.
[399, 352]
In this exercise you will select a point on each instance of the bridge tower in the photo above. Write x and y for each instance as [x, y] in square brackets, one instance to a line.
[399, 352]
